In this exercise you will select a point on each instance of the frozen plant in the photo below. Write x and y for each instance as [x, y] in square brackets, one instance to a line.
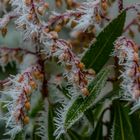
[64, 87]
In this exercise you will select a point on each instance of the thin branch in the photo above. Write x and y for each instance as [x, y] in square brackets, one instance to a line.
[3, 82]
[7, 18]
[133, 22]
[17, 49]
[120, 5]
[133, 7]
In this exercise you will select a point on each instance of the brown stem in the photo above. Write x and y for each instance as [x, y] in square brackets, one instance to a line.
[133, 22]
[120, 5]
[17, 49]
[7, 18]
[2, 82]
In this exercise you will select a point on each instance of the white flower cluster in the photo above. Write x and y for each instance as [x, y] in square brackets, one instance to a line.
[17, 92]
[127, 53]
[26, 21]
[90, 11]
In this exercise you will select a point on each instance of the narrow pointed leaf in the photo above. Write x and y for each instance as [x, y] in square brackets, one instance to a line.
[135, 121]
[122, 128]
[80, 105]
[50, 124]
[98, 54]
[98, 131]
[44, 127]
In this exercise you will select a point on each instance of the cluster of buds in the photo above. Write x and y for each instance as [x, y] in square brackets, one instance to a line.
[37, 5]
[29, 11]
[85, 16]
[9, 55]
[92, 13]
[74, 69]
[69, 3]
[127, 53]
[48, 34]
[20, 89]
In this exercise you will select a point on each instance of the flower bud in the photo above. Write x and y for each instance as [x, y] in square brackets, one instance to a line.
[98, 17]
[21, 78]
[104, 5]
[73, 23]
[57, 28]
[46, 5]
[54, 34]
[27, 105]
[58, 3]
[91, 71]
[27, 90]
[26, 120]
[81, 65]
[136, 57]
[32, 84]
[85, 91]
[30, 17]
[68, 66]
[27, 2]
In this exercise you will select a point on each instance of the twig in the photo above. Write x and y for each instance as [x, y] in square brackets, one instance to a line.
[7, 18]
[133, 22]
[17, 49]
[120, 5]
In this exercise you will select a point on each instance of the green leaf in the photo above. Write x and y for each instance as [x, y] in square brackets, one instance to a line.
[122, 128]
[135, 121]
[44, 127]
[50, 124]
[98, 54]
[73, 135]
[89, 116]
[10, 69]
[80, 105]
[37, 107]
[98, 131]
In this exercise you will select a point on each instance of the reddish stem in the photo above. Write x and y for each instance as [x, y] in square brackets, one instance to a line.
[17, 49]
[120, 5]
[133, 22]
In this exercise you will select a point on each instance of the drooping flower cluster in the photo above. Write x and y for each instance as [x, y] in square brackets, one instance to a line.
[69, 3]
[18, 90]
[36, 30]
[127, 53]
[74, 69]
[91, 14]
[28, 11]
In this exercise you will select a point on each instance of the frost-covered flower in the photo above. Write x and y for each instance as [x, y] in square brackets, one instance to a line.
[75, 74]
[54, 47]
[127, 53]
[90, 15]
[17, 92]
[28, 12]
